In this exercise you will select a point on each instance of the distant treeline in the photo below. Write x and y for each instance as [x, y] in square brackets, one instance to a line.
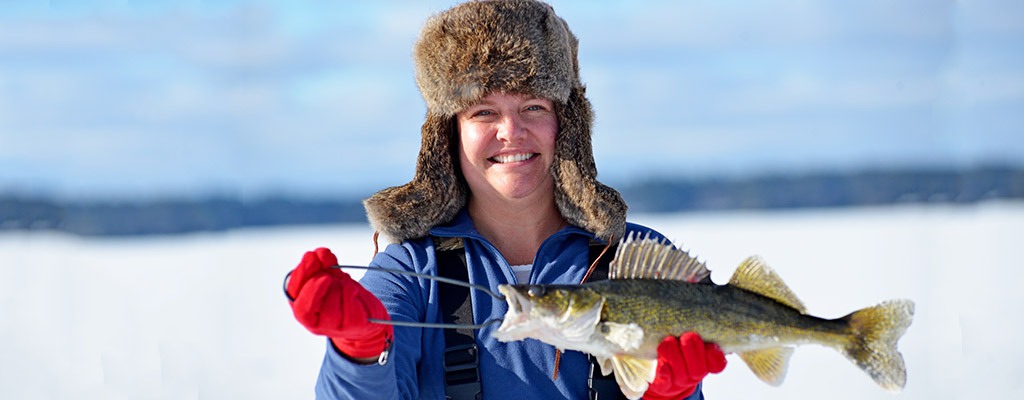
[828, 190]
[170, 216]
[649, 196]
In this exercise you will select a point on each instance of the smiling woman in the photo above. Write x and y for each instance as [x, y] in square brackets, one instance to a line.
[506, 179]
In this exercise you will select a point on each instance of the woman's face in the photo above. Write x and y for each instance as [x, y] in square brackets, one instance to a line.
[507, 145]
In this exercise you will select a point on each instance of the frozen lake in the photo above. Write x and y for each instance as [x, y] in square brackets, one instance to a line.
[203, 315]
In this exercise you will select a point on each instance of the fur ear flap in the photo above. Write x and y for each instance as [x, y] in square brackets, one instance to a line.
[436, 193]
[583, 200]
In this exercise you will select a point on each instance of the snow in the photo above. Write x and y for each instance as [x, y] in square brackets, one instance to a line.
[203, 315]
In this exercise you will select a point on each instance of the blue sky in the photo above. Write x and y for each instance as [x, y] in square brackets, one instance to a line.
[136, 98]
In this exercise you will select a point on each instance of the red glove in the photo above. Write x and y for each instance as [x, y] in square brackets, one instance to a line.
[329, 302]
[683, 362]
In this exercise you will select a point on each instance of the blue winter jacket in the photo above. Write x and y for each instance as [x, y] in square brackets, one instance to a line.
[517, 370]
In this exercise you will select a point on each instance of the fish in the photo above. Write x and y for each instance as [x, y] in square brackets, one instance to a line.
[655, 290]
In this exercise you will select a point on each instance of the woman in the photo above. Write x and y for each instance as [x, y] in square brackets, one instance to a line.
[506, 176]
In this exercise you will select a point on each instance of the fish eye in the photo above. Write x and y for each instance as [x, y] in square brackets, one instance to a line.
[535, 291]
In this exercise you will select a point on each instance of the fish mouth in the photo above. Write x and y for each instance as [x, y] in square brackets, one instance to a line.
[514, 325]
[517, 303]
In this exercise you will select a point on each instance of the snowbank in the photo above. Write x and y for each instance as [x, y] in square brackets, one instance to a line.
[203, 315]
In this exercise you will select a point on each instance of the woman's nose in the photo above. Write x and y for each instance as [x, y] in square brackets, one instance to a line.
[511, 127]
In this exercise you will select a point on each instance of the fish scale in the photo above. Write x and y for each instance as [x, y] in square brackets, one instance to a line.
[715, 312]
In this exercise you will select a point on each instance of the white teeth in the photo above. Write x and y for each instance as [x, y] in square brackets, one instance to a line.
[507, 158]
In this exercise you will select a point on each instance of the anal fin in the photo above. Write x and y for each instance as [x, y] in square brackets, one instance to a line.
[769, 365]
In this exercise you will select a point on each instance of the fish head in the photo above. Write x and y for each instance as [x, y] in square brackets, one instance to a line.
[561, 315]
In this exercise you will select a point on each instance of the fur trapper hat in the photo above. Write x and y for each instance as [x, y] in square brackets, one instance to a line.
[465, 53]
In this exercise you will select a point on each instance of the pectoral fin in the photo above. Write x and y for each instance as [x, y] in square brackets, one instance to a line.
[628, 337]
[634, 374]
[769, 365]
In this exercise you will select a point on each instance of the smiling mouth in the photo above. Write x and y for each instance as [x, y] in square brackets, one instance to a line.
[511, 158]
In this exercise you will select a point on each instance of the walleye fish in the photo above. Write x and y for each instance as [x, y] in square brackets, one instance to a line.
[655, 290]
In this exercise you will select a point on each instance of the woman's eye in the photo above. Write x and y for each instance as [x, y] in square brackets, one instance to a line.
[534, 108]
[483, 113]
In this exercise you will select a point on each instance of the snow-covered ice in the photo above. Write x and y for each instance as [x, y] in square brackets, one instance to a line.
[203, 315]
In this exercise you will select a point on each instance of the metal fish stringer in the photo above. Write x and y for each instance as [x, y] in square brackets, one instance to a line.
[439, 279]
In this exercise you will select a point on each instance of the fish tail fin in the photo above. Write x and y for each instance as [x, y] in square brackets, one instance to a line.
[873, 344]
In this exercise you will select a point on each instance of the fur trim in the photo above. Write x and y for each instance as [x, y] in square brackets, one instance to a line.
[479, 47]
[494, 46]
[436, 193]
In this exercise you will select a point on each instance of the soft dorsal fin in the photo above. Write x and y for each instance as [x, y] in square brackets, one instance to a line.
[646, 258]
[753, 275]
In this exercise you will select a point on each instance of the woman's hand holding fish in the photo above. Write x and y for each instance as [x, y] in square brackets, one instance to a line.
[683, 362]
[329, 302]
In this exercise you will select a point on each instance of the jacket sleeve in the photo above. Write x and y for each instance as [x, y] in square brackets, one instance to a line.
[697, 394]
[397, 378]
[342, 379]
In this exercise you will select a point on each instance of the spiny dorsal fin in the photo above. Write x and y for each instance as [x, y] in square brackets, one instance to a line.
[768, 364]
[646, 258]
[753, 275]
